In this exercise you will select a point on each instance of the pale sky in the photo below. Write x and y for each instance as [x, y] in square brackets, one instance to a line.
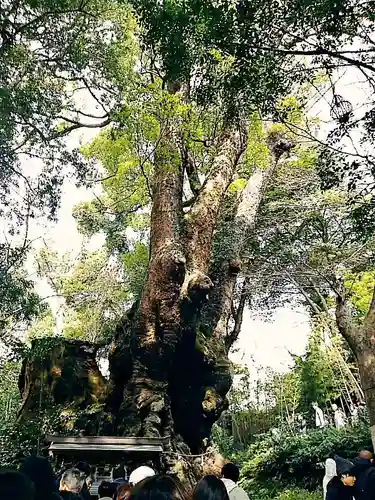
[267, 343]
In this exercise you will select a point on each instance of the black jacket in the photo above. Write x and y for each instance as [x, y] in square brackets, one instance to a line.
[67, 495]
[336, 490]
[85, 494]
[364, 488]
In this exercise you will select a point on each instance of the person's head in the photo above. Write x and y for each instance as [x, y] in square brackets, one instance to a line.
[160, 487]
[84, 467]
[348, 479]
[366, 455]
[140, 474]
[231, 471]
[14, 485]
[123, 491]
[72, 480]
[334, 407]
[210, 488]
[39, 471]
[345, 471]
[89, 481]
[107, 490]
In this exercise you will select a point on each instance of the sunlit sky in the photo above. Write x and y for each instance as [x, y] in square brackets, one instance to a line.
[262, 342]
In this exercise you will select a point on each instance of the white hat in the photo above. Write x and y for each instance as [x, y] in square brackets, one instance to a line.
[140, 474]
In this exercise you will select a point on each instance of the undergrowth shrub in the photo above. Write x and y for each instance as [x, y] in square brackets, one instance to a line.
[269, 466]
[287, 494]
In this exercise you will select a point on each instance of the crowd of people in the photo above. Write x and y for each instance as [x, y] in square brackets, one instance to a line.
[345, 480]
[36, 480]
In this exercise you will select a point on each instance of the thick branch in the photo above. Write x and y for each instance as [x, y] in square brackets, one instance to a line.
[202, 218]
[77, 125]
[252, 195]
[238, 318]
[345, 324]
[243, 223]
[160, 300]
[308, 299]
[191, 171]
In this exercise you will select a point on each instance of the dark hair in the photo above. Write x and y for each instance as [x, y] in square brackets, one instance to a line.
[107, 489]
[15, 485]
[83, 467]
[159, 487]
[39, 471]
[210, 488]
[123, 491]
[231, 471]
[119, 472]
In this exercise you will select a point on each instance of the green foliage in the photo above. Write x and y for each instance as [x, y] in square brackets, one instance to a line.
[49, 52]
[9, 393]
[209, 39]
[324, 374]
[19, 302]
[257, 152]
[223, 440]
[17, 441]
[320, 373]
[125, 190]
[267, 493]
[228, 63]
[299, 494]
[43, 327]
[135, 265]
[304, 241]
[95, 42]
[268, 466]
[360, 287]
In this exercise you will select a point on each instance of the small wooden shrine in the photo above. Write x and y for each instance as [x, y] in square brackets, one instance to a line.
[104, 453]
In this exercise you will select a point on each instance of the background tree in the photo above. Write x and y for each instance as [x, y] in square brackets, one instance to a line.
[91, 293]
[310, 252]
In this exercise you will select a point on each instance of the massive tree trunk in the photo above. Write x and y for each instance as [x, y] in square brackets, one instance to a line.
[169, 366]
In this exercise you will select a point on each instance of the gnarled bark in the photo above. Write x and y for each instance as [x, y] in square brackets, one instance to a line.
[202, 218]
[63, 373]
[146, 407]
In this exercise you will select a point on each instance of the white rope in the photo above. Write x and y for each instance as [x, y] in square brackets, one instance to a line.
[188, 455]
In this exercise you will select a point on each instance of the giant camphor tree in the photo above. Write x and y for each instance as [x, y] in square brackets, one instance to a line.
[180, 157]
[181, 87]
